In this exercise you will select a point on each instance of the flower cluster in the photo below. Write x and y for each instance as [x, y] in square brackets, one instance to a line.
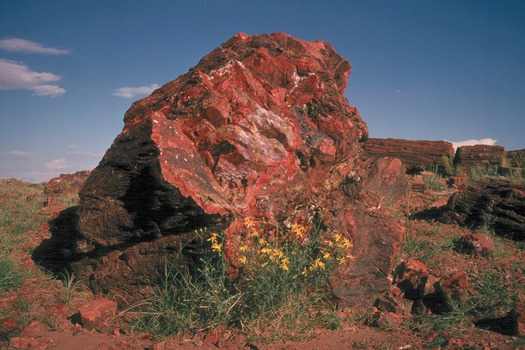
[216, 246]
[299, 250]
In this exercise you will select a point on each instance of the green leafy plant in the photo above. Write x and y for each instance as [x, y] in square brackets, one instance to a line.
[281, 284]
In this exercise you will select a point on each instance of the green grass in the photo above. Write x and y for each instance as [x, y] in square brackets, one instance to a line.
[19, 213]
[425, 246]
[434, 181]
[483, 171]
[10, 275]
[280, 288]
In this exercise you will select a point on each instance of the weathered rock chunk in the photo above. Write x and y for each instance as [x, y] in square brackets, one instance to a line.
[492, 204]
[469, 156]
[96, 312]
[251, 122]
[259, 128]
[416, 155]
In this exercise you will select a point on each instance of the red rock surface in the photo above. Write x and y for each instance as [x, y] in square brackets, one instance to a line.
[412, 277]
[66, 184]
[416, 155]
[477, 244]
[96, 312]
[259, 127]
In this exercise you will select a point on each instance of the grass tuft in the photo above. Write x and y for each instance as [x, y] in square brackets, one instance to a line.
[10, 275]
[281, 286]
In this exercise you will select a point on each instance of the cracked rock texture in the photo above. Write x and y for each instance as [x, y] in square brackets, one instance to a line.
[260, 127]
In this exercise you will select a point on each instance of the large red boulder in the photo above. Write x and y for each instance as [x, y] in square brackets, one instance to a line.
[259, 128]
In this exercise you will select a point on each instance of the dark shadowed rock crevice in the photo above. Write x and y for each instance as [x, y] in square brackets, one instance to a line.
[258, 128]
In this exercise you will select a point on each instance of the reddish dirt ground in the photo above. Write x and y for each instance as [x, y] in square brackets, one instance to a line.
[37, 316]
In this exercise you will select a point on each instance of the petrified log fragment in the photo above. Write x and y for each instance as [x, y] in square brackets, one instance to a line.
[258, 128]
[492, 204]
[416, 155]
[469, 156]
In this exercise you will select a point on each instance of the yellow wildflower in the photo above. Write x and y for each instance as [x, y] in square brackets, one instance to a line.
[213, 238]
[326, 255]
[265, 250]
[304, 272]
[248, 222]
[299, 230]
[243, 259]
[318, 263]
[346, 243]
[244, 248]
[262, 241]
[337, 237]
[216, 247]
[284, 263]
[255, 233]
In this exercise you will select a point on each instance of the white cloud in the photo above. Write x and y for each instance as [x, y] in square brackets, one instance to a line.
[130, 92]
[18, 76]
[18, 154]
[60, 163]
[27, 46]
[488, 141]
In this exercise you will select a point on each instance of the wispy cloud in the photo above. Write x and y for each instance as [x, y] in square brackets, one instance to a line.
[18, 154]
[27, 46]
[487, 141]
[130, 92]
[60, 163]
[18, 76]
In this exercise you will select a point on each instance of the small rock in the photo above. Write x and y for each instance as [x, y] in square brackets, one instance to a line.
[393, 304]
[457, 180]
[455, 287]
[9, 328]
[476, 244]
[96, 312]
[386, 320]
[33, 328]
[20, 342]
[159, 346]
[411, 277]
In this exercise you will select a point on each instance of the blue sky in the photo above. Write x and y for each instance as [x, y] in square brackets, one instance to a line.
[422, 69]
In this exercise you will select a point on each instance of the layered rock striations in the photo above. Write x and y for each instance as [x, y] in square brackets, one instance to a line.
[416, 155]
[259, 127]
[470, 156]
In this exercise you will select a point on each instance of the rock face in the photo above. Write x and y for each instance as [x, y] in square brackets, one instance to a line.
[416, 155]
[251, 124]
[516, 158]
[469, 156]
[259, 127]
